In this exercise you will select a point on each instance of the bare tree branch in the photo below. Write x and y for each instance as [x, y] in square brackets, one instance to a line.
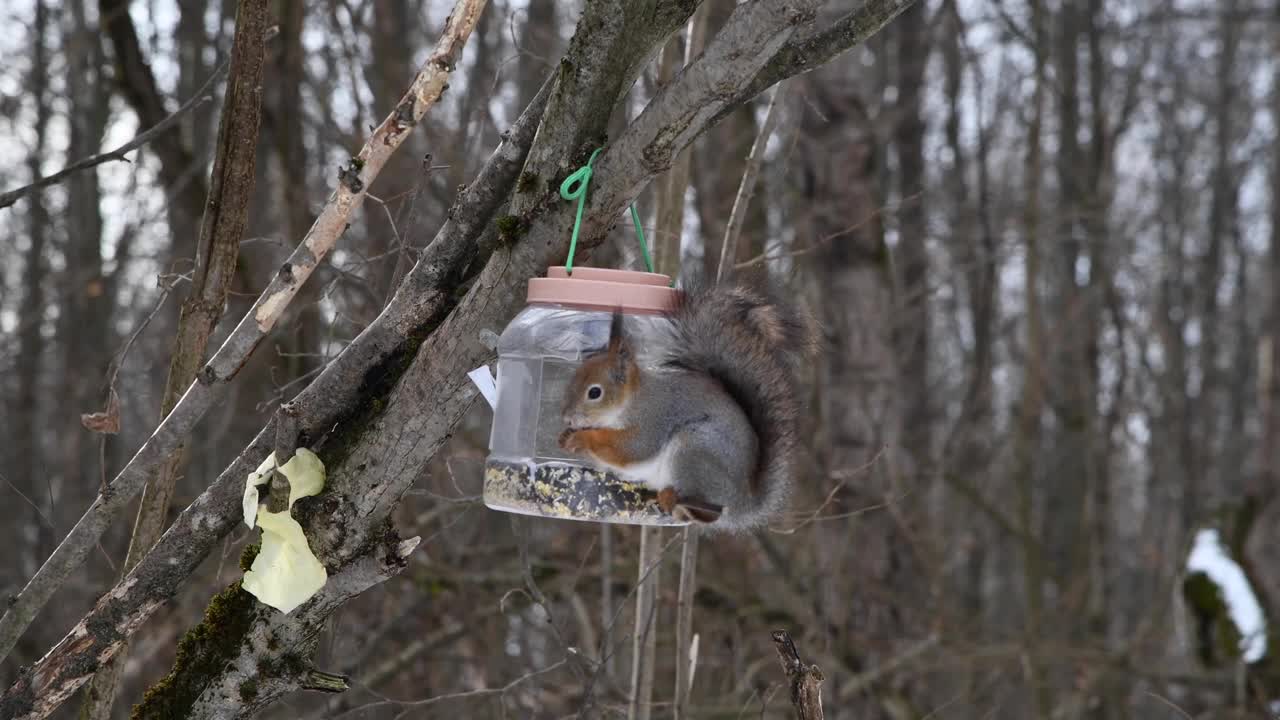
[180, 168]
[189, 539]
[747, 187]
[214, 379]
[800, 55]
[204, 95]
[217, 250]
[805, 680]
[426, 295]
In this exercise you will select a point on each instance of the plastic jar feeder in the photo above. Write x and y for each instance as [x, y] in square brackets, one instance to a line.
[567, 320]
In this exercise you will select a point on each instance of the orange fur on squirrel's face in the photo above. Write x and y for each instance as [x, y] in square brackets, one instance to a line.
[602, 388]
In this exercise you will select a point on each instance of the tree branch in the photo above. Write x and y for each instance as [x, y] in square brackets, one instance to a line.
[214, 379]
[138, 85]
[747, 187]
[226, 216]
[804, 54]
[424, 298]
[202, 96]
[805, 681]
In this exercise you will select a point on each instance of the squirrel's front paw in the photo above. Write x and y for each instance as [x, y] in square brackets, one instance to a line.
[569, 440]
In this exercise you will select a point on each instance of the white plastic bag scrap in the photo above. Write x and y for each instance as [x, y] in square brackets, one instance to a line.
[258, 477]
[483, 379]
[305, 473]
[285, 573]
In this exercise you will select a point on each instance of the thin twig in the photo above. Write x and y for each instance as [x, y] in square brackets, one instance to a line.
[747, 186]
[685, 657]
[470, 694]
[644, 640]
[202, 96]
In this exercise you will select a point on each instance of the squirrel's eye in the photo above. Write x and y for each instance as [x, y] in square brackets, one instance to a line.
[594, 392]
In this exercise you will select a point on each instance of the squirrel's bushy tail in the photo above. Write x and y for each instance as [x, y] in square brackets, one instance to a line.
[755, 344]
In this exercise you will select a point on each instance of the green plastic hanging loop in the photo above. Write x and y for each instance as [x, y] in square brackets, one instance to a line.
[574, 187]
[644, 247]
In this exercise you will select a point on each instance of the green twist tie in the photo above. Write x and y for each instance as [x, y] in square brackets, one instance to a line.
[574, 187]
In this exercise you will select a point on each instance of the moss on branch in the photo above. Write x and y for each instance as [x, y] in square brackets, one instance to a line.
[202, 656]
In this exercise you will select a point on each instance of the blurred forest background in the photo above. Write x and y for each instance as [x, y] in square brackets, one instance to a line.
[1043, 237]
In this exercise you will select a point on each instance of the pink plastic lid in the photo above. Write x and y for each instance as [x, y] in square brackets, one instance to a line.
[604, 289]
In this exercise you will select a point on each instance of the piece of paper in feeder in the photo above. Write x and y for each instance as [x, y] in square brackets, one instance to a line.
[483, 379]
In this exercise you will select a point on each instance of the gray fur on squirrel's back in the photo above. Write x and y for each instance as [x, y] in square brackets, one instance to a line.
[754, 345]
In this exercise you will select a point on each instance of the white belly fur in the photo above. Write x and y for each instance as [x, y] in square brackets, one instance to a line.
[655, 473]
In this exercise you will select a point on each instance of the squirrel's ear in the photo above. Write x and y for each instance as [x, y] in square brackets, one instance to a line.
[618, 342]
[615, 329]
[619, 349]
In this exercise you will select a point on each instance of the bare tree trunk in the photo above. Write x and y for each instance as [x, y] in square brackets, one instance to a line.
[193, 72]
[1209, 412]
[1173, 449]
[180, 168]
[970, 446]
[912, 327]
[284, 131]
[216, 252]
[858, 414]
[721, 162]
[387, 74]
[28, 451]
[1072, 375]
[84, 325]
[1027, 442]
[540, 45]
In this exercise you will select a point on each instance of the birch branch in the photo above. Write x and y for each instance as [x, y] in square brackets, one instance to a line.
[214, 379]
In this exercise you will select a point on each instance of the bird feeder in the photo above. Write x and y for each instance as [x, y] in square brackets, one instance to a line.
[567, 320]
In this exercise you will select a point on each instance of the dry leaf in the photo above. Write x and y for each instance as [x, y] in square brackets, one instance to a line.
[106, 422]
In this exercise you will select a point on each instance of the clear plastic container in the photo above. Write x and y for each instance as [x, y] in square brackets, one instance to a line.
[566, 321]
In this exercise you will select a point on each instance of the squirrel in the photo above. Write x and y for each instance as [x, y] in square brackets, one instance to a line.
[712, 426]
